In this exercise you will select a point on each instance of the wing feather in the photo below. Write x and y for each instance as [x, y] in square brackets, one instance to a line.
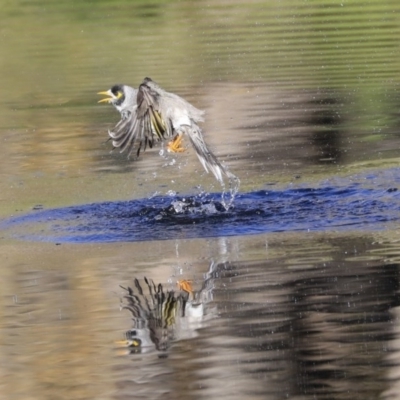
[207, 159]
[143, 125]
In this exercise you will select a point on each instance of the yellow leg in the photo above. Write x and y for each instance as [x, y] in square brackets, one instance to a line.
[185, 285]
[175, 145]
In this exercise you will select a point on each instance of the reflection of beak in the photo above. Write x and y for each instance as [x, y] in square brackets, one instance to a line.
[108, 99]
[128, 343]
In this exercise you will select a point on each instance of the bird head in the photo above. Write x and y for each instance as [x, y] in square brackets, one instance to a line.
[116, 95]
[122, 97]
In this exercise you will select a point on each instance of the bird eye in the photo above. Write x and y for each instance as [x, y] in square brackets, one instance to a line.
[119, 94]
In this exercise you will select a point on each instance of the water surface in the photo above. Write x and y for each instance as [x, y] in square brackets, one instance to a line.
[298, 281]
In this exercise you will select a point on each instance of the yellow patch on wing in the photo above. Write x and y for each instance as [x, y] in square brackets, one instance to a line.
[157, 123]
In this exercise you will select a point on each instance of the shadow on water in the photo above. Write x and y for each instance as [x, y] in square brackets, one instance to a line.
[369, 200]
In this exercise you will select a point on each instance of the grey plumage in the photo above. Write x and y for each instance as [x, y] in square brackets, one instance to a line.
[154, 312]
[161, 316]
[151, 114]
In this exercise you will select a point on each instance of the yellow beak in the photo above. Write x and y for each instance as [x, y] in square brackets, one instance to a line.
[108, 99]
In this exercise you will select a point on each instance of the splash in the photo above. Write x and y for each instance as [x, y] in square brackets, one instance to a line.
[365, 202]
[166, 156]
[335, 204]
[228, 197]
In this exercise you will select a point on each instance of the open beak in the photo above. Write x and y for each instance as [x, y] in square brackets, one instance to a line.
[107, 99]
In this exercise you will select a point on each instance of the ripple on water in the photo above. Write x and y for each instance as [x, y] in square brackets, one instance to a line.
[345, 205]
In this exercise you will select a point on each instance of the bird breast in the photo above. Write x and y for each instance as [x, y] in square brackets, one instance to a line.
[180, 119]
[179, 111]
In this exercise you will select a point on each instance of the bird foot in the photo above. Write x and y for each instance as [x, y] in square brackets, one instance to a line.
[185, 285]
[175, 145]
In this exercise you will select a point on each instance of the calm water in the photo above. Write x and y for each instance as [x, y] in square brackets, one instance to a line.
[295, 287]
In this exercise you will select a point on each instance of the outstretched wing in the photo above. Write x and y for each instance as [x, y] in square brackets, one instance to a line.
[143, 125]
[154, 311]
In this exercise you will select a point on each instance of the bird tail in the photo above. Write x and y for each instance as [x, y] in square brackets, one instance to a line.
[208, 160]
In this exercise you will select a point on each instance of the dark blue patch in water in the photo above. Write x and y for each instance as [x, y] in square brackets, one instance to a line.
[338, 207]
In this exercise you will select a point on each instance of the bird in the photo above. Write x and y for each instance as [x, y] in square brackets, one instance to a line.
[150, 114]
[157, 313]
[161, 316]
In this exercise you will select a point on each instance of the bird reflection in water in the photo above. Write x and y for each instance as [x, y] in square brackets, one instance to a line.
[162, 316]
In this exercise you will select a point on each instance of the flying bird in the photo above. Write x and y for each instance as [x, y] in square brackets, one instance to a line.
[150, 114]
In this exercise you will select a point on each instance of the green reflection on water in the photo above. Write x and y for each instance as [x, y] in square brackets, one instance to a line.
[52, 45]
[238, 59]
[58, 54]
